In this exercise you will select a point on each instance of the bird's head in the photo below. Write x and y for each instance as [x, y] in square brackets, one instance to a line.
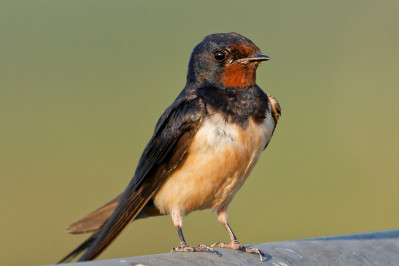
[227, 60]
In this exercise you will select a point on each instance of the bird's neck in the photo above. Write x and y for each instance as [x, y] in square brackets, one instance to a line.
[235, 103]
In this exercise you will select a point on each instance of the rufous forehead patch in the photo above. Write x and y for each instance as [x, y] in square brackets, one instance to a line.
[246, 49]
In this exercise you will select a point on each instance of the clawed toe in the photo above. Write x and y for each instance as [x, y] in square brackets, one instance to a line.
[199, 248]
[237, 246]
[253, 250]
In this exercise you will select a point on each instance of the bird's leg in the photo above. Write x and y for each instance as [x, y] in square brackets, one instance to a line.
[186, 248]
[234, 244]
[178, 223]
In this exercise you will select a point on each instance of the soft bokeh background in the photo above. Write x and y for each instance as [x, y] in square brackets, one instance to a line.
[82, 84]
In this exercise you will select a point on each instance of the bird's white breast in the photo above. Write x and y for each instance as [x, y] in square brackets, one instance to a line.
[219, 160]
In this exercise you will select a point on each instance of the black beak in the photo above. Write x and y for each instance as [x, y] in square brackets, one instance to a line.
[258, 58]
[255, 58]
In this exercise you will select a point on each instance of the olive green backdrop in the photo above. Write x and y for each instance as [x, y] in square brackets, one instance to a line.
[82, 84]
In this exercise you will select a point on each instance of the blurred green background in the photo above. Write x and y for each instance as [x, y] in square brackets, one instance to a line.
[82, 84]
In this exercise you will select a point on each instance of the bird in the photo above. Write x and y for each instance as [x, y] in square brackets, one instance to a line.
[203, 148]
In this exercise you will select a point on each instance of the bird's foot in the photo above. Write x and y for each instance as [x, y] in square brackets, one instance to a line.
[186, 248]
[237, 246]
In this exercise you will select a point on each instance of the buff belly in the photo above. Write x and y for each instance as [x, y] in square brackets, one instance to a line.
[219, 160]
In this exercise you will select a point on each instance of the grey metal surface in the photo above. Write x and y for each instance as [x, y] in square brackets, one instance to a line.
[379, 248]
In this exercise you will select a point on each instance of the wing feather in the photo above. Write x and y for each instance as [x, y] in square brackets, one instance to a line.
[165, 152]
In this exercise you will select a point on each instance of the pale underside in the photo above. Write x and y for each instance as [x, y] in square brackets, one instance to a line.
[219, 160]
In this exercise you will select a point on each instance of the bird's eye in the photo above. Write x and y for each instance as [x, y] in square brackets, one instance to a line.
[219, 55]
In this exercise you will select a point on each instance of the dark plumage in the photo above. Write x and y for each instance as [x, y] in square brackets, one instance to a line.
[203, 148]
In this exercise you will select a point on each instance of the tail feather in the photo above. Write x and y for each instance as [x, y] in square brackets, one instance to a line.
[94, 220]
[85, 245]
[129, 206]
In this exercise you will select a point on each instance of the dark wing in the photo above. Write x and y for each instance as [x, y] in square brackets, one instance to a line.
[164, 153]
[266, 105]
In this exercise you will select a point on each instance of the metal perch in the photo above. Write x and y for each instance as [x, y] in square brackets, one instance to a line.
[378, 248]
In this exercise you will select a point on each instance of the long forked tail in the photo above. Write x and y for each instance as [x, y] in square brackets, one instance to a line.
[82, 247]
[129, 206]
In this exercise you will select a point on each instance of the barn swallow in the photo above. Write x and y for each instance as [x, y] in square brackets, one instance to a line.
[203, 148]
